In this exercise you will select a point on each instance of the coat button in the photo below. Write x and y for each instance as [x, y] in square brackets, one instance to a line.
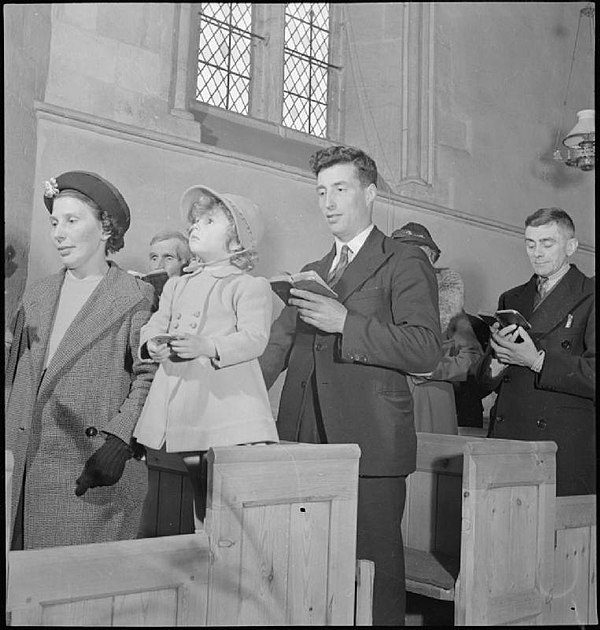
[541, 423]
[499, 419]
[178, 315]
[193, 325]
[566, 344]
[91, 432]
[318, 346]
[303, 384]
[197, 314]
[175, 325]
[506, 378]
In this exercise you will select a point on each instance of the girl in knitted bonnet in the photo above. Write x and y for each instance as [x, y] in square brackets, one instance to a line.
[211, 326]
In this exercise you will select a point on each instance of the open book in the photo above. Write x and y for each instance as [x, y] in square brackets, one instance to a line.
[305, 280]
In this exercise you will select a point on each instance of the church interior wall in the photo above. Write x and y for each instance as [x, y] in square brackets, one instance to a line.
[488, 77]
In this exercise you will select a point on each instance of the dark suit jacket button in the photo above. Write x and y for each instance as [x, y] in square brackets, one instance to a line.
[302, 384]
[499, 419]
[541, 423]
[318, 346]
[506, 378]
[566, 344]
[91, 432]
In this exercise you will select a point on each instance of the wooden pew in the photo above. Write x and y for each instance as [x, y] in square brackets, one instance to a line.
[278, 549]
[479, 531]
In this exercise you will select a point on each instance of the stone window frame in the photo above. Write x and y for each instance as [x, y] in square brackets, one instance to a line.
[266, 87]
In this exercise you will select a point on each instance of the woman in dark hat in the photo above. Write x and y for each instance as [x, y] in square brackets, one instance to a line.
[75, 384]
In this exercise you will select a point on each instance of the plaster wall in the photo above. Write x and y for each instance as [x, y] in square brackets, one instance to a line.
[27, 30]
[494, 72]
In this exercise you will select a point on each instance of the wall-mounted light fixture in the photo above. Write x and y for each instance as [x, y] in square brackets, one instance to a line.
[580, 142]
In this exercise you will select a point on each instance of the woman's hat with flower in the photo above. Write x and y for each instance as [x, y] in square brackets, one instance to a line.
[98, 189]
[245, 213]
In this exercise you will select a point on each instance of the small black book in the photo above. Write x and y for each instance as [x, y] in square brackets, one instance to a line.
[157, 279]
[305, 280]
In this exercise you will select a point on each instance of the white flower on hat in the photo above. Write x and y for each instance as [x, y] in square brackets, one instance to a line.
[51, 187]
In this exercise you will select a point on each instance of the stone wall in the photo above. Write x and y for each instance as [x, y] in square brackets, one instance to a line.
[457, 102]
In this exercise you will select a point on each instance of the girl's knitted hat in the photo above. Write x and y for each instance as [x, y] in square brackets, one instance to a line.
[245, 213]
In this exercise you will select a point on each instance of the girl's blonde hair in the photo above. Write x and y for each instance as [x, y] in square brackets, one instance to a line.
[239, 257]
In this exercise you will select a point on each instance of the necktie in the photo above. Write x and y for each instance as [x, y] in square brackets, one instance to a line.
[542, 284]
[338, 270]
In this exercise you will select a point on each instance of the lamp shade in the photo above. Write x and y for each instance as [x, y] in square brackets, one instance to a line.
[582, 130]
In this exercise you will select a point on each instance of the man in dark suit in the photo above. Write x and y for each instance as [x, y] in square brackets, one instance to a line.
[545, 377]
[347, 359]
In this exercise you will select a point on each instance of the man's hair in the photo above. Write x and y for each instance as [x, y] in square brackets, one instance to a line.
[543, 216]
[182, 247]
[365, 165]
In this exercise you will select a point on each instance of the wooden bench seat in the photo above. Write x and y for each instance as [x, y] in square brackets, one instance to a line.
[432, 574]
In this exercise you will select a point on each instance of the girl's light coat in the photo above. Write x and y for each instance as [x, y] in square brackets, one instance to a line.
[199, 403]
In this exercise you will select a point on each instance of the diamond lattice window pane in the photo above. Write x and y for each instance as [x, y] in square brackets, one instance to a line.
[212, 86]
[318, 120]
[320, 45]
[305, 73]
[295, 113]
[224, 55]
[321, 15]
[300, 10]
[297, 76]
[319, 84]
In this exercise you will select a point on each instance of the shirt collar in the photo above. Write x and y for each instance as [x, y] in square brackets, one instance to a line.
[218, 271]
[556, 276]
[353, 244]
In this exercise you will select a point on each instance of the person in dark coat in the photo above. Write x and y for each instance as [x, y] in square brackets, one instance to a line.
[546, 377]
[75, 386]
[347, 359]
[433, 394]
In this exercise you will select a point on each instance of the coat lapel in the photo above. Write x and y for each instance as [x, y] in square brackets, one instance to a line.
[40, 319]
[523, 300]
[559, 302]
[107, 304]
[368, 260]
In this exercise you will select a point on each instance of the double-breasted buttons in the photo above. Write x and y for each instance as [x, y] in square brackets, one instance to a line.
[566, 344]
[197, 314]
[178, 316]
[176, 325]
[319, 346]
[91, 432]
[194, 325]
[541, 423]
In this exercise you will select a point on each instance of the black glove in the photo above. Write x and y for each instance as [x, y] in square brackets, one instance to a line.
[105, 466]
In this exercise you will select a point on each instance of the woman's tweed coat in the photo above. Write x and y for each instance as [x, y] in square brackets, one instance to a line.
[93, 380]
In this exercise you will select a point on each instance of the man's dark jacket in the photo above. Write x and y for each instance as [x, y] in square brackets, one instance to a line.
[558, 403]
[392, 327]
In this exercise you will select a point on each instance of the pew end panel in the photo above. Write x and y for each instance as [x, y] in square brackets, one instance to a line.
[283, 537]
[465, 501]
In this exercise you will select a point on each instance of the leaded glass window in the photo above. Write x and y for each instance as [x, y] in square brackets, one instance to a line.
[223, 76]
[306, 68]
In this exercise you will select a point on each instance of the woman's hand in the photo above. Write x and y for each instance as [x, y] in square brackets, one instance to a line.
[158, 352]
[188, 346]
